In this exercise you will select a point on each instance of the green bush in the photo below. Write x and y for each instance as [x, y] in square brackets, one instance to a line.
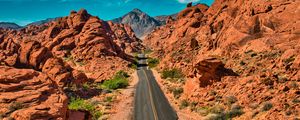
[133, 65]
[80, 104]
[115, 83]
[121, 74]
[177, 92]
[219, 113]
[86, 86]
[108, 99]
[118, 81]
[172, 73]
[152, 62]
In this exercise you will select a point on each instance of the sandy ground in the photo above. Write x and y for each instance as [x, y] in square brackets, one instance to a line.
[124, 106]
[183, 114]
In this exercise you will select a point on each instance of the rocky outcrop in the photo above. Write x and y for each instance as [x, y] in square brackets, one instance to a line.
[27, 94]
[40, 61]
[255, 39]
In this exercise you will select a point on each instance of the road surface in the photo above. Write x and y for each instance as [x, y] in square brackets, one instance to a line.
[150, 101]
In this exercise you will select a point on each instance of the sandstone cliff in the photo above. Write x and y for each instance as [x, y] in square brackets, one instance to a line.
[246, 49]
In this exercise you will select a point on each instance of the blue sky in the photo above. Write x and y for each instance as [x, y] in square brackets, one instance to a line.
[23, 12]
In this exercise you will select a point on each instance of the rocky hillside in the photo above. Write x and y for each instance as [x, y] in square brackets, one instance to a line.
[164, 18]
[38, 64]
[240, 58]
[141, 23]
[9, 25]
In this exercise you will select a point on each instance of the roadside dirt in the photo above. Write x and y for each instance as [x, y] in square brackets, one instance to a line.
[183, 114]
[124, 103]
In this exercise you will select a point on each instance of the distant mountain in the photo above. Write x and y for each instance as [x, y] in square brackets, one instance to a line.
[140, 22]
[42, 21]
[9, 25]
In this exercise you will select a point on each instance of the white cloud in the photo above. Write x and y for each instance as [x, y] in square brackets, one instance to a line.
[187, 1]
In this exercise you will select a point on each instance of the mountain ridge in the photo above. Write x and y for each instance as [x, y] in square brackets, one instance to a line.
[9, 25]
[142, 23]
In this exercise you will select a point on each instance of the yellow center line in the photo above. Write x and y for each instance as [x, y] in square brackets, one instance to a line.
[151, 98]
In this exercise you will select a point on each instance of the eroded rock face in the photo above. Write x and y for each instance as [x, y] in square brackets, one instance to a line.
[27, 94]
[37, 62]
[255, 39]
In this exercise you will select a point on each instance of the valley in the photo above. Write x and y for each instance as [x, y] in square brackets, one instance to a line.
[230, 60]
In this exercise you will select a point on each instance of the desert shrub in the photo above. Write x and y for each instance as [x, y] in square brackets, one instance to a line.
[119, 80]
[217, 112]
[217, 109]
[147, 51]
[184, 104]
[203, 111]
[86, 86]
[115, 83]
[15, 106]
[213, 116]
[80, 104]
[108, 99]
[152, 62]
[121, 74]
[68, 58]
[234, 112]
[266, 106]
[172, 73]
[177, 92]
[230, 100]
[133, 65]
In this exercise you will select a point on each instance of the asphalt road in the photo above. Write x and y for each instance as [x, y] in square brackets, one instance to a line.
[150, 101]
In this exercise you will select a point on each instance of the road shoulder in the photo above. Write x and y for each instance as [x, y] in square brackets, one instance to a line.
[124, 108]
[183, 114]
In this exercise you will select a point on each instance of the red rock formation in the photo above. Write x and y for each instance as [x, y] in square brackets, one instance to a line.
[259, 40]
[44, 59]
[28, 94]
